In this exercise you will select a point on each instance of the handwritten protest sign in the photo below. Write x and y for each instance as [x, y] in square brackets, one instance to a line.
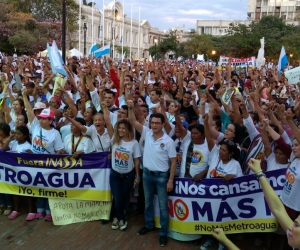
[56, 176]
[293, 75]
[68, 211]
[239, 206]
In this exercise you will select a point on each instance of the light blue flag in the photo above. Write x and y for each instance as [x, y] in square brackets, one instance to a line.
[93, 48]
[49, 49]
[102, 51]
[283, 60]
[121, 39]
[57, 60]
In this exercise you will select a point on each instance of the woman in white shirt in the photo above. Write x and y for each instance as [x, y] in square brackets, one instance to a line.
[21, 143]
[76, 143]
[222, 164]
[45, 140]
[125, 171]
[98, 133]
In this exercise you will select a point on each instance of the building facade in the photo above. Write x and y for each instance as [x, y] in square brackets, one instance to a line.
[288, 10]
[140, 37]
[215, 27]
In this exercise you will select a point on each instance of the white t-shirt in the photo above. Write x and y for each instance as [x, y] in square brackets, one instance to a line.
[290, 192]
[51, 140]
[273, 165]
[123, 155]
[84, 145]
[218, 169]
[102, 142]
[158, 152]
[150, 104]
[199, 161]
[16, 147]
[179, 147]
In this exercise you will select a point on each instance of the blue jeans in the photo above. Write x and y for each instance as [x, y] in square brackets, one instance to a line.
[42, 205]
[120, 185]
[6, 200]
[156, 181]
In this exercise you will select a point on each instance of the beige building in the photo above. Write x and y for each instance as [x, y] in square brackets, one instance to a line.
[143, 36]
[215, 27]
[288, 10]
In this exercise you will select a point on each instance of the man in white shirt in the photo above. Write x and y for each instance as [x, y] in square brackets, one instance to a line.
[159, 151]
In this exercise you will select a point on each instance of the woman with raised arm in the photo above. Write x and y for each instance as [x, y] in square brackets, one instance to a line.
[290, 222]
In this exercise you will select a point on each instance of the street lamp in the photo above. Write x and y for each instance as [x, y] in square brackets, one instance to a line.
[155, 42]
[84, 38]
[213, 52]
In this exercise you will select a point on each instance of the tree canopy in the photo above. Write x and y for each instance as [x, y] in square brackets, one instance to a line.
[27, 25]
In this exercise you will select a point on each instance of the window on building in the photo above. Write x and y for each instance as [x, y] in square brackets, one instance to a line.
[265, 2]
[258, 3]
[208, 30]
[263, 14]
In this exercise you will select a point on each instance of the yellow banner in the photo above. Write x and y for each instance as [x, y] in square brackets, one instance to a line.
[101, 195]
[245, 226]
[68, 211]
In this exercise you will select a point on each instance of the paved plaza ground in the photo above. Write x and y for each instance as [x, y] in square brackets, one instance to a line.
[41, 235]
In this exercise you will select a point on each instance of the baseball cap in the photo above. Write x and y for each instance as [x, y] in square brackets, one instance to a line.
[184, 124]
[47, 113]
[39, 105]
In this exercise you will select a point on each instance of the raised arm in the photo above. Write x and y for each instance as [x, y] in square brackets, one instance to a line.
[132, 119]
[271, 197]
[108, 124]
[210, 141]
[28, 107]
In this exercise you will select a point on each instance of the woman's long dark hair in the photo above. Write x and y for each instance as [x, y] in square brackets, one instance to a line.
[25, 131]
[232, 148]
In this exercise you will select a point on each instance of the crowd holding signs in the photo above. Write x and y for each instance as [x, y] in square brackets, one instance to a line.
[203, 146]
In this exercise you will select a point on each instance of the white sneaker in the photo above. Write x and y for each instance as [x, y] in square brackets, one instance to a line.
[115, 224]
[123, 225]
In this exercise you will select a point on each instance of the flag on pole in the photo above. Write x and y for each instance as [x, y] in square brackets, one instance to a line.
[102, 51]
[117, 37]
[121, 39]
[93, 48]
[283, 60]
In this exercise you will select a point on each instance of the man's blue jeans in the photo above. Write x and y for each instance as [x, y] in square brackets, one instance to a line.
[156, 181]
[120, 185]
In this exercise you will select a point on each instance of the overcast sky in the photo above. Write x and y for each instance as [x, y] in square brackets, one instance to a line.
[166, 14]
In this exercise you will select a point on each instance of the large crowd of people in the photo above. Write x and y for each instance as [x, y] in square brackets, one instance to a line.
[170, 118]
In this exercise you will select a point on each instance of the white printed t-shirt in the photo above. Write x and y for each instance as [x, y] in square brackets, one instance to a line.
[51, 139]
[199, 161]
[290, 192]
[123, 155]
[218, 169]
[86, 145]
[16, 147]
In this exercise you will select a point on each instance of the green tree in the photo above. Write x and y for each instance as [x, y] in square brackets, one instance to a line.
[126, 50]
[199, 44]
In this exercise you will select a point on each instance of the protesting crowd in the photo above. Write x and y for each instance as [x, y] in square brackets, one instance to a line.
[159, 120]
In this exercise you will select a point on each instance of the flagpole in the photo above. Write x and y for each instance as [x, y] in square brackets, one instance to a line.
[92, 22]
[79, 29]
[103, 22]
[114, 30]
[139, 32]
[123, 31]
[130, 31]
